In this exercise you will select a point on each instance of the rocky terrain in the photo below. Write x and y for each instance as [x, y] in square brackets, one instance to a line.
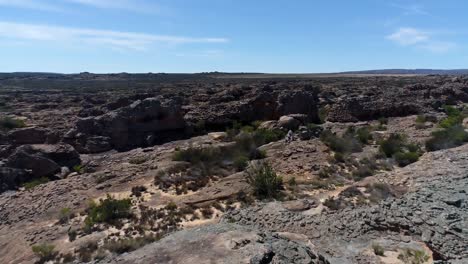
[208, 168]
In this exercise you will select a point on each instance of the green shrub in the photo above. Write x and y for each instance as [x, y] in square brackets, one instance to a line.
[65, 215]
[79, 169]
[292, 181]
[378, 250]
[364, 135]
[383, 121]
[392, 145]
[412, 256]
[264, 181]
[240, 162]
[72, 234]
[129, 244]
[45, 252]
[339, 157]
[454, 117]
[447, 138]
[406, 158]
[347, 143]
[264, 136]
[323, 114]
[31, 184]
[421, 119]
[137, 191]
[8, 123]
[138, 160]
[109, 211]
[363, 171]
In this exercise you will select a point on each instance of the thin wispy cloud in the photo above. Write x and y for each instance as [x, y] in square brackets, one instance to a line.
[31, 4]
[95, 37]
[411, 9]
[407, 36]
[439, 46]
[134, 5]
[140, 6]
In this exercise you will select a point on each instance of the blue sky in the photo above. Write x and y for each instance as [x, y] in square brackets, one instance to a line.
[277, 36]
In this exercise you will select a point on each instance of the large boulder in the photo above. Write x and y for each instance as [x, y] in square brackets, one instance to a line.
[26, 158]
[142, 123]
[62, 154]
[29, 135]
[10, 178]
[43, 160]
[292, 122]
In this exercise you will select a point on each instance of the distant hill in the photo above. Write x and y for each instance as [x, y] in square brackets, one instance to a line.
[411, 71]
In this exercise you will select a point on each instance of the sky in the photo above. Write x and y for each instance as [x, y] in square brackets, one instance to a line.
[274, 36]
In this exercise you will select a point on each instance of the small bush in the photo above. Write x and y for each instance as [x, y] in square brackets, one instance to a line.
[364, 135]
[421, 119]
[8, 123]
[392, 145]
[264, 181]
[65, 215]
[378, 250]
[109, 211]
[72, 234]
[413, 256]
[86, 251]
[264, 136]
[406, 158]
[292, 181]
[240, 162]
[362, 172]
[79, 169]
[138, 160]
[197, 155]
[454, 117]
[323, 114]
[339, 157]
[31, 184]
[344, 144]
[383, 121]
[447, 138]
[45, 252]
[207, 212]
[137, 191]
[129, 244]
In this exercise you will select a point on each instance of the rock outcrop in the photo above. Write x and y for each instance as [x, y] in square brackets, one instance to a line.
[143, 123]
[223, 243]
[29, 162]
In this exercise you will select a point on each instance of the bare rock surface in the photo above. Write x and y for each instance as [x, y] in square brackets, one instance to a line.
[223, 243]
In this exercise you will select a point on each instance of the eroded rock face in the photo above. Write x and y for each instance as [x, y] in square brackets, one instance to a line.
[362, 108]
[140, 124]
[28, 136]
[223, 243]
[253, 105]
[29, 162]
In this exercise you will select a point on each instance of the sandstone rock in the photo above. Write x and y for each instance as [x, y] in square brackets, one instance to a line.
[62, 154]
[222, 243]
[269, 125]
[128, 127]
[26, 158]
[30, 135]
[10, 178]
[289, 122]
